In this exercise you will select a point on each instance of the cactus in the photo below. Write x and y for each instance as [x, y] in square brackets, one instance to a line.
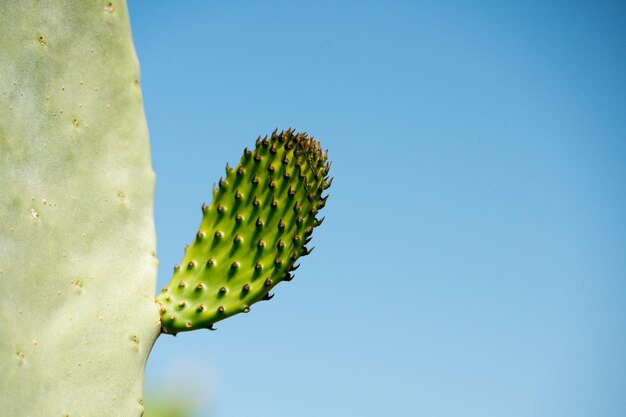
[77, 247]
[256, 228]
[77, 244]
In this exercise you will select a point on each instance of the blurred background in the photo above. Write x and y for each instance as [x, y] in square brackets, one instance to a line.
[472, 261]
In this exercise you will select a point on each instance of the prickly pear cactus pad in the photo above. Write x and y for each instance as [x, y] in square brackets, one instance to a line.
[262, 216]
[77, 261]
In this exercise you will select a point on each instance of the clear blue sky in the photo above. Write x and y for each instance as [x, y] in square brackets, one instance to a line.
[473, 257]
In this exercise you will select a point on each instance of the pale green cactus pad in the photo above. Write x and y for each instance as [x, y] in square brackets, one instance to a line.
[77, 260]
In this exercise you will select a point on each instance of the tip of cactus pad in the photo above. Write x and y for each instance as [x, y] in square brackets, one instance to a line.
[262, 215]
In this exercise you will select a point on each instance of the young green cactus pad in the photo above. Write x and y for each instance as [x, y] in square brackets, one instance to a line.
[256, 228]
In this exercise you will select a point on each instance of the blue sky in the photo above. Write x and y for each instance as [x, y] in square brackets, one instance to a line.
[472, 261]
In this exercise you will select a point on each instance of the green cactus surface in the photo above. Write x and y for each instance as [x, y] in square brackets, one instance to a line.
[262, 215]
[77, 260]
